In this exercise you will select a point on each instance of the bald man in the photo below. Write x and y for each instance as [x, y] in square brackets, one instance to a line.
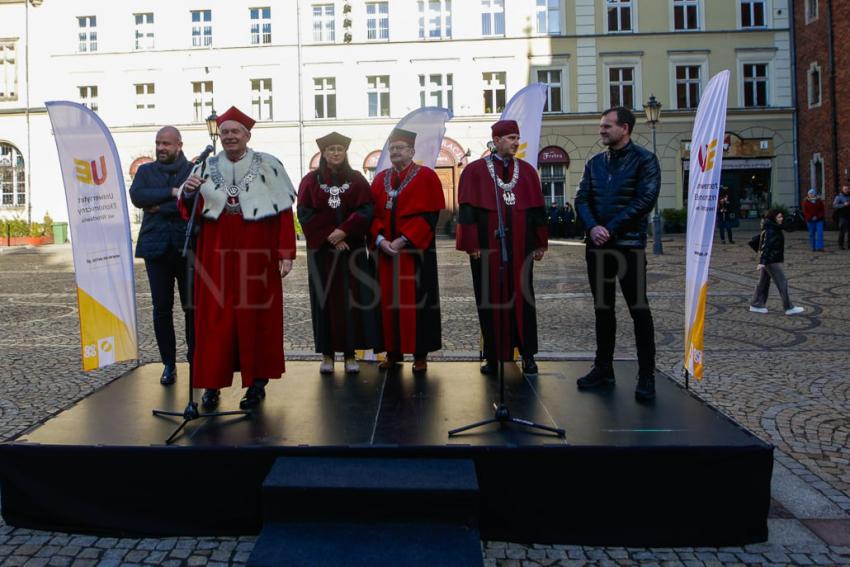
[155, 189]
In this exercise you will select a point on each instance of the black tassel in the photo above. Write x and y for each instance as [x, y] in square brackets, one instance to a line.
[275, 207]
[263, 178]
[205, 211]
[275, 171]
[247, 187]
[255, 212]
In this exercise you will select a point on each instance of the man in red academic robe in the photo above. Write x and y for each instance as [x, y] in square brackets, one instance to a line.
[408, 199]
[245, 245]
[500, 185]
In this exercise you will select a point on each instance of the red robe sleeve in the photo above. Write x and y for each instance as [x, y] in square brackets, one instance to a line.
[415, 221]
[286, 239]
[362, 208]
[379, 196]
[316, 223]
[184, 206]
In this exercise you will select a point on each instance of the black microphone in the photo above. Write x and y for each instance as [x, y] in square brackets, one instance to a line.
[204, 155]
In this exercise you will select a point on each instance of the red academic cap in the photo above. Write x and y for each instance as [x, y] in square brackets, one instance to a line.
[406, 136]
[333, 139]
[504, 128]
[234, 113]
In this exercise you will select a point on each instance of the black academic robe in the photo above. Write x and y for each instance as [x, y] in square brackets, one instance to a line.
[527, 230]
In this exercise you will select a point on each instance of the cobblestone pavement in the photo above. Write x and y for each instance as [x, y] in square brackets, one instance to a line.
[784, 378]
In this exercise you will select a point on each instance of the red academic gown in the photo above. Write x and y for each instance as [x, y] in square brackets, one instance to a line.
[527, 230]
[344, 299]
[410, 300]
[238, 296]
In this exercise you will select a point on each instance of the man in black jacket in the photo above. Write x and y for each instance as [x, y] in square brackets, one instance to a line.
[155, 188]
[615, 196]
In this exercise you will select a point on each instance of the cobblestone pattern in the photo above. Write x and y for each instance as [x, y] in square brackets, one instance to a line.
[784, 378]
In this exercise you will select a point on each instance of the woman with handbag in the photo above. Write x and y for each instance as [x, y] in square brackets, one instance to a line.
[771, 256]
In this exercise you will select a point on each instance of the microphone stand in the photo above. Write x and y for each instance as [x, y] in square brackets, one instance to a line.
[191, 412]
[502, 413]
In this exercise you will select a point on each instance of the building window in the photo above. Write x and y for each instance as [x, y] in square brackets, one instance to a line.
[435, 19]
[324, 23]
[814, 85]
[377, 20]
[203, 99]
[201, 28]
[261, 25]
[621, 86]
[378, 92]
[619, 15]
[145, 97]
[755, 84]
[753, 13]
[685, 15]
[811, 10]
[8, 71]
[144, 31]
[12, 177]
[261, 99]
[492, 17]
[548, 17]
[436, 90]
[88, 33]
[688, 86]
[324, 90]
[554, 98]
[495, 92]
[553, 179]
[816, 173]
[88, 97]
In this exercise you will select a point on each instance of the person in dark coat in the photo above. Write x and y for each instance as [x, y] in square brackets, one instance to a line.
[771, 256]
[554, 221]
[724, 216]
[335, 208]
[155, 188]
[568, 215]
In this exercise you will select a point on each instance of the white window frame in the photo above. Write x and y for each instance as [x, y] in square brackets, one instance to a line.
[262, 99]
[490, 12]
[700, 11]
[143, 32]
[619, 4]
[324, 22]
[204, 27]
[548, 180]
[809, 16]
[489, 87]
[445, 90]
[86, 34]
[145, 98]
[261, 25]
[378, 90]
[767, 14]
[817, 159]
[325, 92]
[8, 70]
[810, 86]
[689, 60]
[621, 61]
[546, 11]
[756, 58]
[378, 20]
[203, 100]
[428, 16]
[88, 95]
[19, 190]
[561, 85]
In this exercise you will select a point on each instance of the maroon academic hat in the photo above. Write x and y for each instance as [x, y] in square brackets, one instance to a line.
[333, 139]
[504, 128]
[406, 136]
[234, 113]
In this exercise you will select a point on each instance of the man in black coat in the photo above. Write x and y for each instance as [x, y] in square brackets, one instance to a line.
[155, 188]
[615, 196]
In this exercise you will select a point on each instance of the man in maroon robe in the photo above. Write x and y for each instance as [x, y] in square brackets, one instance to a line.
[408, 199]
[245, 245]
[502, 185]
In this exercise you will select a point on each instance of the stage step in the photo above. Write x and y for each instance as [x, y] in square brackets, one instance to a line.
[360, 511]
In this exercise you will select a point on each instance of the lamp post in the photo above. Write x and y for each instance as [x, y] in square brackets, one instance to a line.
[653, 116]
[212, 128]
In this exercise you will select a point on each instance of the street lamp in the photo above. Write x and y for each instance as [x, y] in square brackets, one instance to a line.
[212, 127]
[653, 116]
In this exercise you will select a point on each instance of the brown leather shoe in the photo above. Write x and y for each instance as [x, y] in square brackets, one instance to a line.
[389, 361]
[420, 364]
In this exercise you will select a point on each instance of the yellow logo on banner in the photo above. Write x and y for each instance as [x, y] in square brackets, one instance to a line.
[521, 151]
[106, 338]
[87, 171]
[694, 348]
[707, 155]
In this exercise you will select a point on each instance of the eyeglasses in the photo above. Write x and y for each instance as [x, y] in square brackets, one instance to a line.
[399, 148]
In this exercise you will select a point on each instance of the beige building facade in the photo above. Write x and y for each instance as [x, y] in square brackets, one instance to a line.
[304, 68]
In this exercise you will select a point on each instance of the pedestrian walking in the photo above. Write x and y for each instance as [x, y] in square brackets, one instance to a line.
[814, 212]
[841, 204]
[771, 256]
[724, 216]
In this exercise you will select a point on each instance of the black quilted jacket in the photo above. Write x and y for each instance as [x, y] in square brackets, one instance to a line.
[771, 243]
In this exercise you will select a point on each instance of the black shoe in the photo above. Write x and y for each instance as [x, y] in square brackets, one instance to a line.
[731, 241]
[169, 375]
[529, 367]
[645, 389]
[490, 368]
[253, 396]
[210, 398]
[598, 377]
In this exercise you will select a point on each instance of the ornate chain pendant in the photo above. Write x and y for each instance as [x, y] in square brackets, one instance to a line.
[334, 192]
[391, 195]
[509, 197]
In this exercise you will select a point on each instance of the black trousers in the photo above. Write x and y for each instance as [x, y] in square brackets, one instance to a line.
[606, 266]
[162, 273]
[843, 229]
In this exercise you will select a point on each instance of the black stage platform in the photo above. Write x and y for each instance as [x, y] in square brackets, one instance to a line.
[669, 473]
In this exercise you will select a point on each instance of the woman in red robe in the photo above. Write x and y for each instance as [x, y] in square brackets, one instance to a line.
[245, 245]
[335, 208]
